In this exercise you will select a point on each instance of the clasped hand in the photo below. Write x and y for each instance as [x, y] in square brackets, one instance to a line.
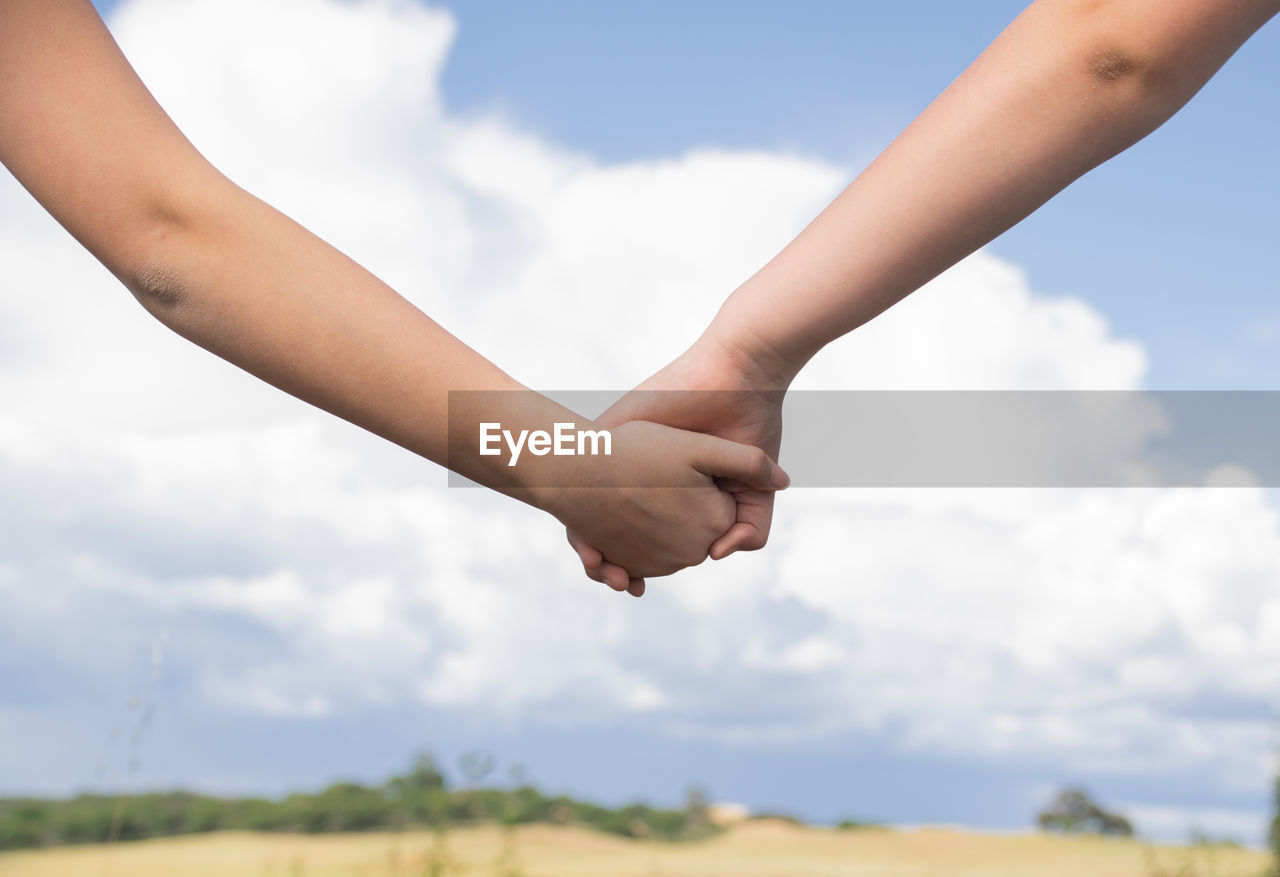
[737, 409]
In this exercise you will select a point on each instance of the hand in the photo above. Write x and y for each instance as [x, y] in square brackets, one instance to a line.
[653, 506]
[715, 390]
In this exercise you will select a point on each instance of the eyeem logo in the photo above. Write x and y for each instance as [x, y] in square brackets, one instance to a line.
[565, 440]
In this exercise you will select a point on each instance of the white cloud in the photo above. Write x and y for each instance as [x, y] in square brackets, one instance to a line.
[1090, 626]
[980, 326]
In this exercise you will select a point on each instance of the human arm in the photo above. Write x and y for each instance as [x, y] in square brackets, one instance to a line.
[81, 132]
[1068, 85]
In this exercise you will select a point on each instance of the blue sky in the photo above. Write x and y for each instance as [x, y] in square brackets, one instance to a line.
[1172, 243]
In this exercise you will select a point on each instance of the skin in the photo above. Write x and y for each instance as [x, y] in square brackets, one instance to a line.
[1068, 85]
[218, 266]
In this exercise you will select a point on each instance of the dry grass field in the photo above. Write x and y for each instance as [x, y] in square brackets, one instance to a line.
[756, 849]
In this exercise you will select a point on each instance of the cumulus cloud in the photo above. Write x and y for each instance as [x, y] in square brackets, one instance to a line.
[1115, 631]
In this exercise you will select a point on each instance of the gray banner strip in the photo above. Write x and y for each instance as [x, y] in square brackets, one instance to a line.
[1004, 438]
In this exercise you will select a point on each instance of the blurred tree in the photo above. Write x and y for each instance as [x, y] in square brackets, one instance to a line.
[697, 813]
[1073, 811]
[853, 825]
[424, 776]
[1275, 820]
[477, 765]
[420, 797]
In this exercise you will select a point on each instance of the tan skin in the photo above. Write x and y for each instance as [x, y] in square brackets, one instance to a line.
[81, 132]
[1068, 85]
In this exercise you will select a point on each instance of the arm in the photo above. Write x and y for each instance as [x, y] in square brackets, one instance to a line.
[1068, 85]
[223, 269]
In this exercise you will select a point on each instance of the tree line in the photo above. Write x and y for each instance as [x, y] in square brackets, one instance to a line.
[423, 798]
[420, 798]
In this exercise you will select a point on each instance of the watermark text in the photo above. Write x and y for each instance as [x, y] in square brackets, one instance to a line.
[564, 440]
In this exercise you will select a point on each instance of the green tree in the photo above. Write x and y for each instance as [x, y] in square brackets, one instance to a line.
[425, 776]
[697, 813]
[1073, 811]
[1275, 821]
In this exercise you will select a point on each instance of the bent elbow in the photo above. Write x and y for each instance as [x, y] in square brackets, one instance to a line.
[1110, 64]
[1121, 53]
[158, 286]
[172, 238]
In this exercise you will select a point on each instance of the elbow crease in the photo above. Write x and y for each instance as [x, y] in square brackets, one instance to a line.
[158, 286]
[1110, 65]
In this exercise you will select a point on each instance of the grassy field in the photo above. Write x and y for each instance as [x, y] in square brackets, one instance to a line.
[758, 849]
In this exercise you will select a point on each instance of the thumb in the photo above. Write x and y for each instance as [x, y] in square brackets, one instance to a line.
[721, 458]
[632, 406]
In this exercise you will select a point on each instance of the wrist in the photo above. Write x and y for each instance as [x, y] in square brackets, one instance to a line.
[746, 359]
[522, 444]
[553, 489]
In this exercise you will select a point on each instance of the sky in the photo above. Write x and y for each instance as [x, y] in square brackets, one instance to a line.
[301, 602]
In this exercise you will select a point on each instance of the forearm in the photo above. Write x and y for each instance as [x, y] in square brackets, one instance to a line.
[1067, 86]
[247, 283]
[82, 133]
